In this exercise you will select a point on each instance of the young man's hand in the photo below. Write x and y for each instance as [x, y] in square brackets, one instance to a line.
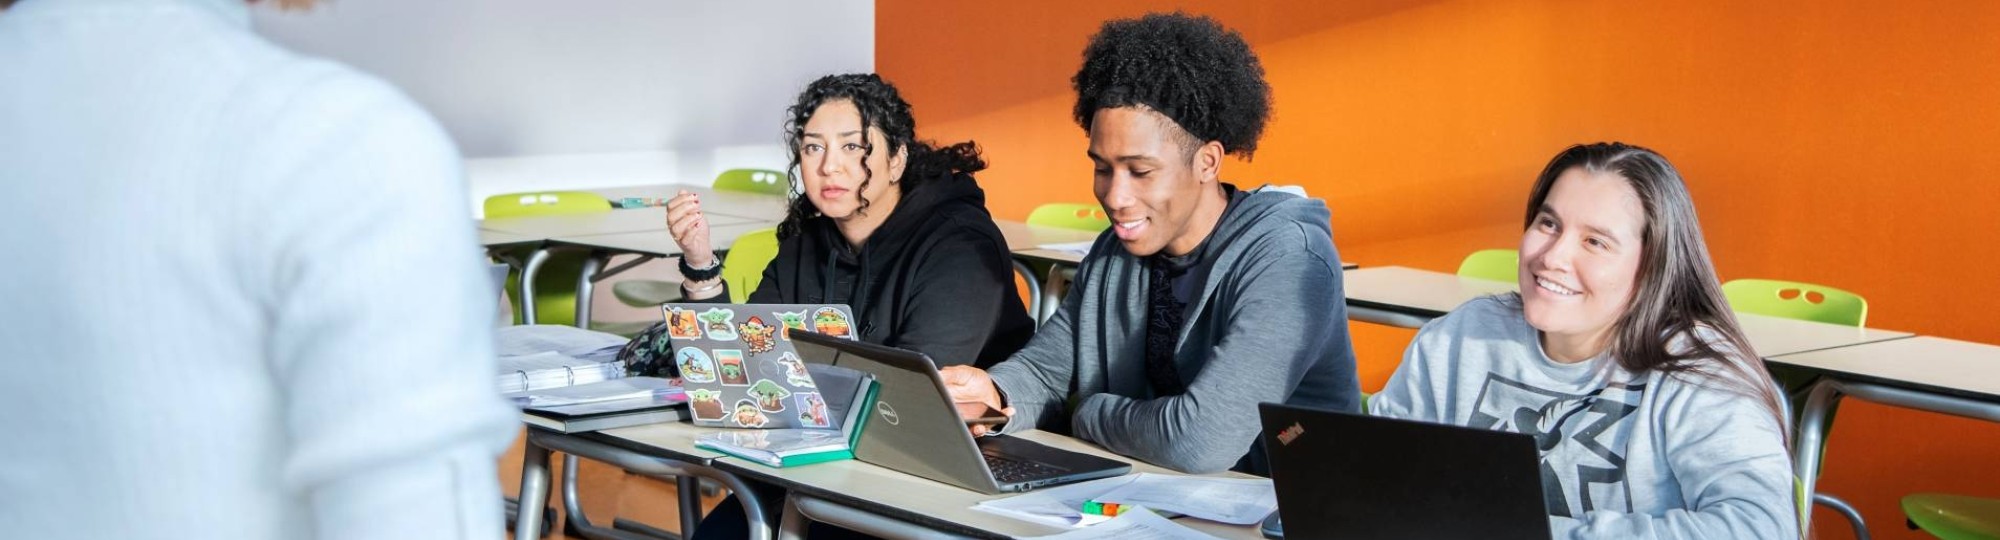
[975, 397]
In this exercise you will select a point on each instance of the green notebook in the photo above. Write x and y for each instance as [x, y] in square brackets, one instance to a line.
[801, 446]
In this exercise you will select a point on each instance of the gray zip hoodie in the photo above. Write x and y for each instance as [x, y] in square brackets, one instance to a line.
[1268, 325]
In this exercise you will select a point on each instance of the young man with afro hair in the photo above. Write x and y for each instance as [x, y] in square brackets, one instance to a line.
[1202, 300]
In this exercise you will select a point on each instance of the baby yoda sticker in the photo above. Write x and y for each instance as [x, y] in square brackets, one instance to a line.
[706, 404]
[695, 365]
[718, 323]
[831, 322]
[748, 416]
[730, 364]
[770, 396]
[759, 337]
[681, 323]
[790, 320]
[812, 410]
[795, 370]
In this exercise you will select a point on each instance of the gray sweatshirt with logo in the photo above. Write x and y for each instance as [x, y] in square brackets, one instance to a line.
[1268, 325]
[1624, 455]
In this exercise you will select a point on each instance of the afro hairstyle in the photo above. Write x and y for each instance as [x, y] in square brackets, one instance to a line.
[1186, 67]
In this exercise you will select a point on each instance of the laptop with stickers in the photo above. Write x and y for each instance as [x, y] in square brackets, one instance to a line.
[738, 365]
[917, 431]
[1342, 475]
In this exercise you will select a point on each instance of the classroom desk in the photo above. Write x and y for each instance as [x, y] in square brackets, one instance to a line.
[1923, 373]
[882, 502]
[727, 211]
[648, 245]
[742, 204]
[1408, 297]
[848, 493]
[1025, 242]
[657, 450]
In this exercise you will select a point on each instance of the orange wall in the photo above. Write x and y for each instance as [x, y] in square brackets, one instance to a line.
[1840, 142]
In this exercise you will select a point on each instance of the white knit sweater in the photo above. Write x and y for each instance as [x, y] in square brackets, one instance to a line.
[239, 291]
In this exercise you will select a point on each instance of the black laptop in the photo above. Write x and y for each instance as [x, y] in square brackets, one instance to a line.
[917, 431]
[1342, 475]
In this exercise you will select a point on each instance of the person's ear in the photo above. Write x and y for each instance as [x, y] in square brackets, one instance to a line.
[1208, 161]
[897, 162]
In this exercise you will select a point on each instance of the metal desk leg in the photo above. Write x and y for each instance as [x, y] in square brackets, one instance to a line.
[801, 511]
[528, 272]
[1052, 290]
[534, 491]
[1805, 446]
[753, 510]
[1034, 290]
[688, 488]
[585, 282]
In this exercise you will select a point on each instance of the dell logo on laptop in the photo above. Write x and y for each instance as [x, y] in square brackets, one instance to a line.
[888, 413]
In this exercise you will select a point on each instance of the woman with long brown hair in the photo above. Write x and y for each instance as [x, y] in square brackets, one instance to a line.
[1621, 356]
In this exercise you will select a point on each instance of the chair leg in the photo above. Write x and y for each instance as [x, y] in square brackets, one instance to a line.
[1847, 511]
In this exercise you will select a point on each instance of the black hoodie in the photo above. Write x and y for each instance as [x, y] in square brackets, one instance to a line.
[935, 277]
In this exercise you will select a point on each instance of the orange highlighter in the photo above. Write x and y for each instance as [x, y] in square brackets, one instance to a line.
[1104, 509]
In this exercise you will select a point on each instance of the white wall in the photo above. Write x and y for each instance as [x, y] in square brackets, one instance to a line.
[621, 92]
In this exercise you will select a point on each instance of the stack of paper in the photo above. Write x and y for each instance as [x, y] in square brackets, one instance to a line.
[1237, 501]
[1081, 249]
[610, 404]
[1134, 525]
[536, 357]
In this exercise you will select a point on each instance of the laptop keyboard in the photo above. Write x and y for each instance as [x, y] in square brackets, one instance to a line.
[1009, 471]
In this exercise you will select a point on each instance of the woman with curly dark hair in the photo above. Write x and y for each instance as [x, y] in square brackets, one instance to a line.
[883, 222]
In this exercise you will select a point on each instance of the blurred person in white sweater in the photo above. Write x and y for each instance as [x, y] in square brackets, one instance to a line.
[242, 295]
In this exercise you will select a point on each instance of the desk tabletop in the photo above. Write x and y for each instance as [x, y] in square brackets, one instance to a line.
[940, 506]
[657, 242]
[498, 239]
[1416, 292]
[1932, 364]
[1027, 240]
[743, 204]
[1425, 293]
[671, 440]
[879, 490]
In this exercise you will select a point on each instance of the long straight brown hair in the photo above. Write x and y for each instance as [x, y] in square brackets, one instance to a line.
[1677, 290]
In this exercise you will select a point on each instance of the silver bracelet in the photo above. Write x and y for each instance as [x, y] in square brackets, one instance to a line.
[717, 285]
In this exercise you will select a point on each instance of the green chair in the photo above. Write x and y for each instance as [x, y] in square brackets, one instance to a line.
[653, 292]
[764, 181]
[1807, 302]
[1492, 264]
[743, 268]
[1953, 517]
[1078, 216]
[545, 203]
[555, 283]
[1794, 300]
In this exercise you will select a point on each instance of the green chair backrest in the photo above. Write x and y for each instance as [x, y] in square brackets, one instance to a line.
[545, 203]
[754, 180]
[744, 266]
[555, 292]
[1492, 264]
[1079, 216]
[1795, 300]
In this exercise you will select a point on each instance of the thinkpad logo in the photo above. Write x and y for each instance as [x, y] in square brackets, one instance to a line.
[1289, 434]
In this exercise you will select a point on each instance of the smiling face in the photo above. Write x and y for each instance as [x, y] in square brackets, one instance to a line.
[1580, 262]
[831, 153]
[1158, 196]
